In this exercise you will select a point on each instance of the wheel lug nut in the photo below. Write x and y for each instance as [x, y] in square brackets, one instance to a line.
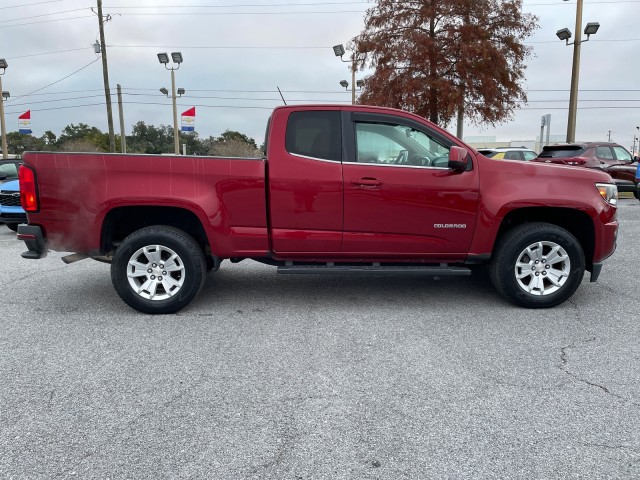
[161, 266]
[149, 271]
[537, 262]
[544, 273]
[159, 279]
[537, 274]
[548, 266]
[153, 277]
[164, 273]
[154, 265]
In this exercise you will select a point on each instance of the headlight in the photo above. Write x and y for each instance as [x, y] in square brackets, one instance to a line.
[608, 192]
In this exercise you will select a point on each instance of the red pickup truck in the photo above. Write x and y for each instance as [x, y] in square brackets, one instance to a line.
[342, 189]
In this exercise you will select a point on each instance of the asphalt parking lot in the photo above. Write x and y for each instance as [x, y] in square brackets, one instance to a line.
[282, 377]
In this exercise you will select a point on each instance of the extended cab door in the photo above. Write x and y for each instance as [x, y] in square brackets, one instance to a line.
[305, 180]
[400, 197]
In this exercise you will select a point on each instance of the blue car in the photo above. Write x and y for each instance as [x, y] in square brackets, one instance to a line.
[11, 212]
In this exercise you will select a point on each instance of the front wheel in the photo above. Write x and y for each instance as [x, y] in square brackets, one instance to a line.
[158, 269]
[537, 265]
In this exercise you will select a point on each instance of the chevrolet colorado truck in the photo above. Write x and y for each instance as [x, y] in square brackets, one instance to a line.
[341, 189]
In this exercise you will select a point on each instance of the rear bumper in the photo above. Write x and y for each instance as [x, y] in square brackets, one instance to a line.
[34, 239]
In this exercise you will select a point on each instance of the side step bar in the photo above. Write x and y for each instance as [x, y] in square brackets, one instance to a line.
[441, 270]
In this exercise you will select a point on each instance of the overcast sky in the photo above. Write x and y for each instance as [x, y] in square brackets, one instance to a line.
[237, 53]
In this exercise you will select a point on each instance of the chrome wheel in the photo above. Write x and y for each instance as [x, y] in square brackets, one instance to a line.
[542, 268]
[155, 272]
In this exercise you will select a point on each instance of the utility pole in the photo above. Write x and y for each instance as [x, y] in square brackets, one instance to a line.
[123, 137]
[105, 74]
[609, 136]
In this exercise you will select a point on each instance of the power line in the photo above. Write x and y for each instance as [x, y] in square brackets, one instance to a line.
[287, 5]
[46, 21]
[30, 4]
[42, 15]
[198, 14]
[231, 47]
[57, 81]
[254, 107]
[47, 53]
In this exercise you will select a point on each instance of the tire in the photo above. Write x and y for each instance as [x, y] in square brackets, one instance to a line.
[537, 265]
[148, 285]
[12, 226]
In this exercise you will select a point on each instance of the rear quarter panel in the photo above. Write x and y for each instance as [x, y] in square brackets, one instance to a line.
[77, 190]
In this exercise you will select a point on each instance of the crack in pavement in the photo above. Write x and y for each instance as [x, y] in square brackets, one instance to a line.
[564, 367]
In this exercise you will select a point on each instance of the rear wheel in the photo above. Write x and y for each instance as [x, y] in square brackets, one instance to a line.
[537, 265]
[158, 269]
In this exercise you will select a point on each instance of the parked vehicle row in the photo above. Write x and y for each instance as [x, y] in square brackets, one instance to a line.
[609, 157]
[11, 212]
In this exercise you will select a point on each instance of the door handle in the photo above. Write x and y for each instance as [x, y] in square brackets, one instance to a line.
[366, 182]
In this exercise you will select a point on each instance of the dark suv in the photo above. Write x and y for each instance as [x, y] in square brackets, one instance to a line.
[610, 157]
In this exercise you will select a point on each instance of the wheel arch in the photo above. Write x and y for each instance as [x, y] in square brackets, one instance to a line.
[120, 222]
[576, 222]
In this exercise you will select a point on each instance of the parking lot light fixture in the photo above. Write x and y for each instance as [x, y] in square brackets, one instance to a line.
[565, 34]
[176, 57]
[339, 51]
[591, 29]
[3, 128]
[164, 91]
[181, 91]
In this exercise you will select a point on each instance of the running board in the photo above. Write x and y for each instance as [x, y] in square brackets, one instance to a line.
[441, 270]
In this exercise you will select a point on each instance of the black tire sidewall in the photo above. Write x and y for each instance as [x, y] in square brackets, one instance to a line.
[514, 244]
[182, 244]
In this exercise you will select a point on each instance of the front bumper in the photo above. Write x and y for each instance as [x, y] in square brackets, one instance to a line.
[9, 218]
[34, 239]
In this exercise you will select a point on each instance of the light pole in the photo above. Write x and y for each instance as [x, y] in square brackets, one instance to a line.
[565, 34]
[5, 151]
[339, 51]
[163, 58]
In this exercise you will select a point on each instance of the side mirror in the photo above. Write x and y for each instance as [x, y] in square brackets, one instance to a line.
[3, 176]
[636, 159]
[458, 159]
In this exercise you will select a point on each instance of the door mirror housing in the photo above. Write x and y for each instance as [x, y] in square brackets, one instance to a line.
[458, 158]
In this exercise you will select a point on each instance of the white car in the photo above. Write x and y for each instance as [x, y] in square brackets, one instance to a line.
[509, 153]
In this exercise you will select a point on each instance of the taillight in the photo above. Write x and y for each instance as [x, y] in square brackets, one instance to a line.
[577, 161]
[28, 189]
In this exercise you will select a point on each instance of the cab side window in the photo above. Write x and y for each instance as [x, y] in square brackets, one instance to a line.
[512, 156]
[315, 134]
[529, 155]
[390, 144]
